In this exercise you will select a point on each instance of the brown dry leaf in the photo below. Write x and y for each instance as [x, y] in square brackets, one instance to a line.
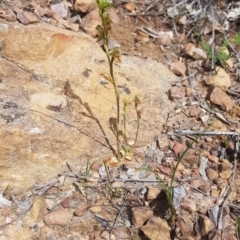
[180, 38]
[183, 20]
[141, 33]
[130, 6]
[208, 27]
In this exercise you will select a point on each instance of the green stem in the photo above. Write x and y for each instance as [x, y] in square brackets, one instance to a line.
[170, 188]
[138, 124]
[117, 95]
[108, 179]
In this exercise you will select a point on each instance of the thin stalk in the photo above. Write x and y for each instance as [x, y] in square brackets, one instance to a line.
[183, 154]
[170, 188]
[139, 113]
[138, 125]
[124, 123]
[117, 95]
[108, 179]
[110, 63]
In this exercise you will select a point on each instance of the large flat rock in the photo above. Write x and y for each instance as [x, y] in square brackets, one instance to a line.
[41, 127]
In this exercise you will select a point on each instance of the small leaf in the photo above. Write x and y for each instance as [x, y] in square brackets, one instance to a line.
[238, 227]
[116, 54]
[122, 152]
[136, 100]
[126, 101]
[103, 4]
[107, 77]
[100, 33]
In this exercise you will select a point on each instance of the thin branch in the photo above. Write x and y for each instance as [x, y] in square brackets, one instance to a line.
[213, 40]
[189, 132]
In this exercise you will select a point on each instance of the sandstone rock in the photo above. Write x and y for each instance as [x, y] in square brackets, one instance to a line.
[47, 233]
[153, 192]
[214, 193]
[85, 6]
[221, 79]
[96, 209]
[39, 61]
[48, 100]
[211, 174]
[176, 93]
[15, 232]
[206, 225]
[118, 184]
[222, 185]
[157, 229]
[121, 233]
[180, 166]
[165, 170]
[94, 177]
[194, 52]
[130, 6]
[226, 174]
[233, 196]
[185, 230]
[195, 112]
[213, 158]
[205, 187]
[204, 205]
[60, 8]
[105, 235]
[228, 221]
[229, 63]
[140, 215]
[96, 165]
[188, 91]
[221, 99]
[81, 209]
[164, 39]
[60, 217]
[178, 148]
[225, 165]
[90, 22]
[188, 205]
[178, 68]
[71, 26]
[39, 208]
[8, 14]
[27, 18]
[73, 201]
[163, 141]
